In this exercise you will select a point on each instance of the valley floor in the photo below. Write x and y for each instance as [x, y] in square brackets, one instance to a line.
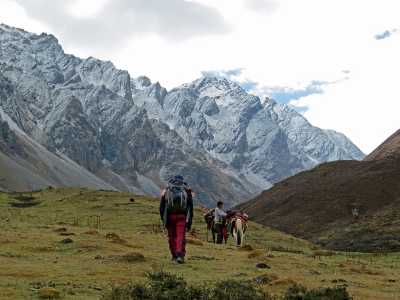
[82, 242]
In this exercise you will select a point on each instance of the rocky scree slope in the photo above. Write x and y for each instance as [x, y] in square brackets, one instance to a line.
[27, 165]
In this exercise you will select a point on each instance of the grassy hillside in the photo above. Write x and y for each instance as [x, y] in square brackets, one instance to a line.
[115, 241]
[318, 205]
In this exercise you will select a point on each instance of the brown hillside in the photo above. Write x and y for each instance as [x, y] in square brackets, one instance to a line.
[390, 148]
[322, 204]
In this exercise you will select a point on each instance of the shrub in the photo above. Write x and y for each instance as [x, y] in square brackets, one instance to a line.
[298, 292]
[237, 290]
[165, 286]
[159, 286]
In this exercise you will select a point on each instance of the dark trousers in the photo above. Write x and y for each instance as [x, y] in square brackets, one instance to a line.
[176, 226]
[219, 230]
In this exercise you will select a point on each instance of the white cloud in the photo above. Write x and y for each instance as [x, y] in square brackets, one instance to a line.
[13, 14]
[298, 42]
[109, 24]
[366, 107]
[85, 8]
[261, 5]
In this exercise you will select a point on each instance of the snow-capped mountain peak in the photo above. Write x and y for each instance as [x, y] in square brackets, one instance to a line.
[133, 133]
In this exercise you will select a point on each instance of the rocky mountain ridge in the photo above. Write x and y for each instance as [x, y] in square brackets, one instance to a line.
[134, 134]
[263, 141]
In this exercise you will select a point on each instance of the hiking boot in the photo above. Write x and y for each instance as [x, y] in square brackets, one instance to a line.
[180, 260]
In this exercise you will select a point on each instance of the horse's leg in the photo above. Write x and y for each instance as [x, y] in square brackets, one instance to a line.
[239, 233]
[213, 234]
[225, 235]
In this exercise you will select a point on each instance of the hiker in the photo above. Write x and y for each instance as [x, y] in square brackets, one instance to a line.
[219, 221]
[176, 211]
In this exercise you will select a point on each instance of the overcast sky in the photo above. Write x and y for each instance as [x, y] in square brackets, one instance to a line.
[336, 61]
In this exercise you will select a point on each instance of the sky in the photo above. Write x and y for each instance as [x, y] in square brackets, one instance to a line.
[335, 61]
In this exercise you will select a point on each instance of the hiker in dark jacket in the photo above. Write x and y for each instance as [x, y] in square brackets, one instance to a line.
[176, 211]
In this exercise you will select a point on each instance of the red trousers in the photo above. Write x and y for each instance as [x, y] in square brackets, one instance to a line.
[176, 226]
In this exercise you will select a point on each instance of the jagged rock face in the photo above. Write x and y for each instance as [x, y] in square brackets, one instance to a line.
[69, 131]
[84, 109]
[264, 142]
[26, 165]
[134, 134]
[316, 144]
[8, 139]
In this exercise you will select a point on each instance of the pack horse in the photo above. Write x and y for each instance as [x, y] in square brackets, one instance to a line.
[235, 223]
[238, 222]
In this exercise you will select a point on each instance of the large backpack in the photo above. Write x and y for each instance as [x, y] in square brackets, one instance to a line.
[209, 218]
[177, 198]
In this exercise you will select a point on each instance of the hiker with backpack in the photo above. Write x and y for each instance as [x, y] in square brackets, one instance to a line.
[176, 211]
[220, 221]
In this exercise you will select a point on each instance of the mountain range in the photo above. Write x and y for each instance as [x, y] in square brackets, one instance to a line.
[67, 121]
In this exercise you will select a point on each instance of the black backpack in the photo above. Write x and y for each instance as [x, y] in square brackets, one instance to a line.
[177, 198]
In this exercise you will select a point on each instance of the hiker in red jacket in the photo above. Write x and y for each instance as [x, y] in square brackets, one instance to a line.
[176, 211]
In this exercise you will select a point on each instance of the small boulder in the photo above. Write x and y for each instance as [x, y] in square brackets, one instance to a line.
[247, 247]
[314, 272]
[336, 281]
[262, 266]
[67, 241]
[256, 253]
[115, 238]
[91, 232]
[132, 257]
[67, 233]
[112, 236]
[265, 278]
[49, 293]
[194, 241]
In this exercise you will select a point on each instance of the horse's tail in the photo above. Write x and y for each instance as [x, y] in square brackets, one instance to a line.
[239, 232]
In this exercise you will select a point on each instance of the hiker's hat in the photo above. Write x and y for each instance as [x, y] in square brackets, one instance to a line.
[177, 179]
